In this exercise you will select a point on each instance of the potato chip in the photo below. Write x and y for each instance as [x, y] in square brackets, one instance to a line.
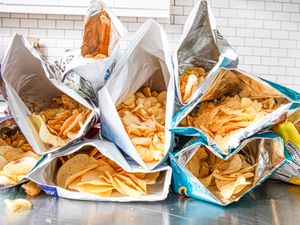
[143, 116]
[189, 81]
[227, 190]
[222, 118]
[31, 188]
[3, 162]
[18, 205]
[73, 168]
[44, 133]
[20, 167]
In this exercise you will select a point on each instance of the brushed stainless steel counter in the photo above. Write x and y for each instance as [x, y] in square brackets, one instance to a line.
[273, 203]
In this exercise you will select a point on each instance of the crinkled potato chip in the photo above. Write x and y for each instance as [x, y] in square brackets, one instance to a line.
[143, 116]
[225, 178]
[60, 121]
[89, 171]
[189, 81]
[224, 117]
[18, 205]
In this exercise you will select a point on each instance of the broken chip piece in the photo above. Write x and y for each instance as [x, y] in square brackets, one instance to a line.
[31, 188]
[18, 205]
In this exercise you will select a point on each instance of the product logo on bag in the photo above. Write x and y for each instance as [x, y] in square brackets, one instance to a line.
[49, 190]
[109, 70]
[182, 191]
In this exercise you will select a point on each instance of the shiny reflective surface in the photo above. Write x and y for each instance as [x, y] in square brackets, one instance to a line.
[272, 203]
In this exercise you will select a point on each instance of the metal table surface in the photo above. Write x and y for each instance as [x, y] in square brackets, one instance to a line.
[272, 203]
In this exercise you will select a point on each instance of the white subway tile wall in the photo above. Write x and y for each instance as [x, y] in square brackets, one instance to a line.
[264, 33]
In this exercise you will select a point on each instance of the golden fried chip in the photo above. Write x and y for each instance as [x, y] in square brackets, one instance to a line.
[31, 188]
[227, 190]
[20, 167]
[73, 168]
[18, 205]
[44, 133]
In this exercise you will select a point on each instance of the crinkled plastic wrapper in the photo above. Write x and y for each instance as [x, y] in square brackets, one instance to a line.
[9, 128]
[146, 63]
[45, 175]
[27, 76]
[229, 84]
[265, 151]
[289, 131]
[202, 45]
[95, 72]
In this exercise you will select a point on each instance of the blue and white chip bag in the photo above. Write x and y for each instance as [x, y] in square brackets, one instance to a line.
[110, 161]
[224, 87]
[201, 50]
[257, 159]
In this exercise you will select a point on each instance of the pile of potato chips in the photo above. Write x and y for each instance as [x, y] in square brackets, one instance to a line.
[17, 158]
[143, 116]
[60, 121]
[91, 172]
[226, 179]
[221, 119]
[189, 81]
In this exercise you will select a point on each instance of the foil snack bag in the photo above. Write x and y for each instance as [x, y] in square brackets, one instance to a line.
[137, 101]
[95, 170]
[199, 174]
[100, 47]
[233, 106]
[289, 131]
[202, 50]
[49, 113]
[17, 157]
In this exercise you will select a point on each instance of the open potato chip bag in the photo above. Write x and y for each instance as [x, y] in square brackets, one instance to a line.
[202, 50]
[97, 171]
[17, 157]
[233, 106]
[289, 131]
[100, 48]
[137, 102]
[49, 113]
[198, 173]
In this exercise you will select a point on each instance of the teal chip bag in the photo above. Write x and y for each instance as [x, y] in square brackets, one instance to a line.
[199, 174]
